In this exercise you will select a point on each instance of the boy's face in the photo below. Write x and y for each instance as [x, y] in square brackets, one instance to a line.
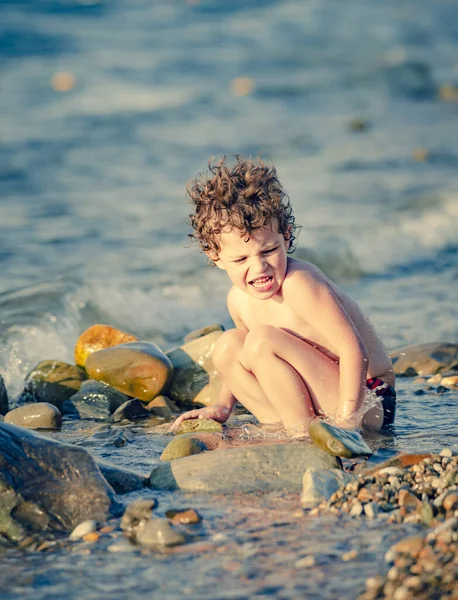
[257, 266]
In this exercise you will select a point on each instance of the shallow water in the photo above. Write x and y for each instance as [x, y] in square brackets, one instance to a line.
[93, 228]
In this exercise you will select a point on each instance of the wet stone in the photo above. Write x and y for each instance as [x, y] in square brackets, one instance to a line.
[39, 415]
[94, 400]
[194, 425]
[137, 369]
[425, 359]
[130, 410]
[161, 406]
[3, 397]
[198, 333]
[338, 441]
[99, 337]
[318, 485]
[158, 533]
[183, 516]
[183, 445]
[137, 511]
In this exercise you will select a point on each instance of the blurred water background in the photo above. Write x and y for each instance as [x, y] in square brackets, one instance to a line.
[108, 108]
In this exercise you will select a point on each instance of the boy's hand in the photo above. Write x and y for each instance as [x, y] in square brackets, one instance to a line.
[217, 413]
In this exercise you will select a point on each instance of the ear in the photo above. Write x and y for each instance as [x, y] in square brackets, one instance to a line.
[214, 258]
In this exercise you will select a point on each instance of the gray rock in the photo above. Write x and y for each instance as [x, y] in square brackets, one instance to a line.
[195, 381]
[61, 483]
[39, 415]
[318, 485]
[425, 359]
[122, 480]
[337, 441]
[137, 512]
[158, 533]
[132, 409]
[247, 468]
[3, 397]
[94, 400]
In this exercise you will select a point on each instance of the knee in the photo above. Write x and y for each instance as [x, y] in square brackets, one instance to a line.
[228, 348]
[258, 342]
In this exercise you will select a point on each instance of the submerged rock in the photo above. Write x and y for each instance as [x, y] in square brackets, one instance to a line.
[99, 337]
[138, 369]
[337, 441]
[158, 533]
[319, 484]
[198, 333]
[52, 381]
[3, 397]
[192, 425]
[39, 415]
[94, 400]
[60, 485]
[425, 359]
[123, 481]
[195, 381]
[246, 469]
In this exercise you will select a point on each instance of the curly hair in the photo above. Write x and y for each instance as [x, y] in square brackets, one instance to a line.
[246, 196]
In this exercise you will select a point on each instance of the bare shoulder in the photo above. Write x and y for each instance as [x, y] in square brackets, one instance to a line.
[305, 276]
[235, 303]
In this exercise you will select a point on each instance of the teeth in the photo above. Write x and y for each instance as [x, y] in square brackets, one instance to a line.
[261, 281]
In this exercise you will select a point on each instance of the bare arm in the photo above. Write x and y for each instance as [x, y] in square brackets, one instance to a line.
[313, 300]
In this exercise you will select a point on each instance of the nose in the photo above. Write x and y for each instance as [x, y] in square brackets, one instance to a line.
[259, 264]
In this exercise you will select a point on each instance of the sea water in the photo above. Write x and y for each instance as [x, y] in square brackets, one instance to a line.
[346, 100]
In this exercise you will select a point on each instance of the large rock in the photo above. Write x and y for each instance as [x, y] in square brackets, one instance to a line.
[123, 481]
[195, 381]
[52, 381]
[319, 484]
[38, 415]
[48, 485]
[337, 441]
[425, 359]
[3, 397]
[99, 337]
[138, 369]
[94, 400]
[245, 469]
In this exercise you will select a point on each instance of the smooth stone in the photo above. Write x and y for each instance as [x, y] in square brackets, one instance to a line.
[161, 407]
[123, 481]
[425, 359]
[99, 337]
[3, 397]
[158, 533]
[39, 415]
[198, 333]
[187, 516]
[318, 485]
[450, 381]
[83, 529]
[94, 400]
[130, 410]
[195, 381]
[260, 467]
[62, 480]
[401, 460]
[337, 441]
[193, 425]
[52, 381]
[136, 513]
[183, 445]
[138, 369]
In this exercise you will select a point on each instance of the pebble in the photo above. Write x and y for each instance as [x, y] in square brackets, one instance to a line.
[305, 562]
[83, 529]
[186, 517]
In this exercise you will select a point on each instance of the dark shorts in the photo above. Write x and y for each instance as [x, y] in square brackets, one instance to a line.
[387, 395]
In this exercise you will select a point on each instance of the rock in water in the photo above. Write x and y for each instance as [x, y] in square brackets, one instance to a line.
[138, 369]
[132, 409]
[99, 337]
[38, 415]
[122, 480]
[3, 397]
[183, 445]
[94, 400]
[425, 359]
[192, 425]
[52, 381]
[245, 469]
[337, 441]
[195, 381]
[60, 484]
[320, 484]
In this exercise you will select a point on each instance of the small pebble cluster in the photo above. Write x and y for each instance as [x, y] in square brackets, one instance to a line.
[423, 566]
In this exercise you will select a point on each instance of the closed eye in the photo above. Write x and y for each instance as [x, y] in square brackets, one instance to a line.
[240, 260]
[270, 251]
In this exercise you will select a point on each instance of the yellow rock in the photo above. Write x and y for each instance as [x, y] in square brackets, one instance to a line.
[138, 369]
[99, 337]
[435, 379]
[451, 381]
[63, 81]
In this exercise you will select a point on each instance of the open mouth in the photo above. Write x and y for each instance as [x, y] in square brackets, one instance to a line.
[262, 283]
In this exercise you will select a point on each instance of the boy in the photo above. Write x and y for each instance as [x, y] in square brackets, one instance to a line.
[301, 348]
